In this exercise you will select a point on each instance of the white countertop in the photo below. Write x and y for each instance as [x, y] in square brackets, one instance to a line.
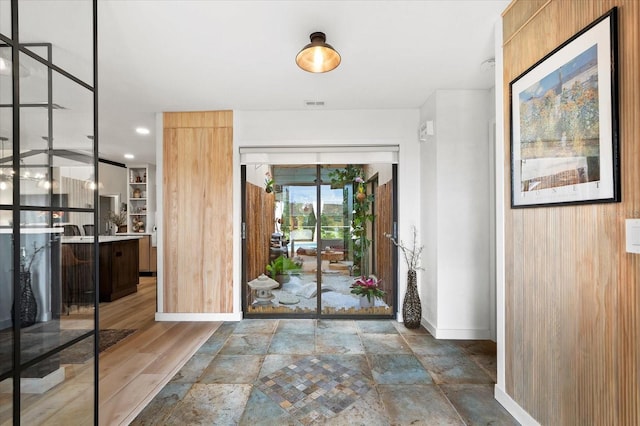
[33, 230]
[101, 238]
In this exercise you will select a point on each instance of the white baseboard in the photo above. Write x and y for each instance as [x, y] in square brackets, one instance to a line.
[513, 408]
[457, 333]
[163, 316]
[430, 328]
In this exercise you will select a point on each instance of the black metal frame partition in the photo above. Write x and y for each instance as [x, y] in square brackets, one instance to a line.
[17, 208]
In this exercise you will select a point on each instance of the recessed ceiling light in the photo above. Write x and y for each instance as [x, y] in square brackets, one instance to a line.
[142, 130]
[129, 156]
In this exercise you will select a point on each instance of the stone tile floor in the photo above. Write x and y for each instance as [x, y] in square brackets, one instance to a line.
[335, 372]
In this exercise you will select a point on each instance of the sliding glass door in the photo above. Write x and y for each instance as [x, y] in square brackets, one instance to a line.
[315, 240]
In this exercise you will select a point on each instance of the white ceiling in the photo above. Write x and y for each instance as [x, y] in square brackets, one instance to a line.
[207, 55]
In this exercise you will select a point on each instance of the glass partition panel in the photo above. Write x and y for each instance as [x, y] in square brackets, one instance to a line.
[52, 283]
[34, 80]
[34, 170]
[57, 286]
[58, 155]
[6, 323]
[72, 144]
[72, 48]
[6, 71]
[6, 135]
[6, 221]
[7, 170]
[60, 389]
[5, 18]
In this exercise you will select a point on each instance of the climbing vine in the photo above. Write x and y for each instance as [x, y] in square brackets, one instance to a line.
[352, 179]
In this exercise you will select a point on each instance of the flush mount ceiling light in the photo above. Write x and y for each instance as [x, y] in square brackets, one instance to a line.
[129, 156]
[318, 56]
[142, 130]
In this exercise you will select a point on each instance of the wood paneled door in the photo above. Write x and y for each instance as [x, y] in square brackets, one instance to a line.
[197, 200]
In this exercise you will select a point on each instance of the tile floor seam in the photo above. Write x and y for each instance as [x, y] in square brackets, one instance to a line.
[482, 367]
[175, 406]
[381, 401]
[450, 403]
[433, 378]
[416, 355]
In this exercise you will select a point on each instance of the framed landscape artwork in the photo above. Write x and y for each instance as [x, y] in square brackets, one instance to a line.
[564, 125]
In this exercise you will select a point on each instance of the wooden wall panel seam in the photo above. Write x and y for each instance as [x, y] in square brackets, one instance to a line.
[531, 18]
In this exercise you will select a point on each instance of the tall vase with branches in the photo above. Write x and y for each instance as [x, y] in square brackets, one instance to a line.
[411, 306]
[28, 304]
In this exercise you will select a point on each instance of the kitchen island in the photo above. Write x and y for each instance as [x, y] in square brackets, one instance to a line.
[118, 262]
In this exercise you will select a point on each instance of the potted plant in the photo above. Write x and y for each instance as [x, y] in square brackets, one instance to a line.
[368, 288]
[268, 183]
[118, 220]
[280, 268]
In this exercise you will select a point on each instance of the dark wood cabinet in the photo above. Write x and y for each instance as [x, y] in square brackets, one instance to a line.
[119, 259]
[118, 269]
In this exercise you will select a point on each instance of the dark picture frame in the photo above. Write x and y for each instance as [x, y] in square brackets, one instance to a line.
[564, 122]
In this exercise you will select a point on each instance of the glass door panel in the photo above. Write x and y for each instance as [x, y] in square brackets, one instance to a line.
[280, 221]
[337, 248]
[356, 278]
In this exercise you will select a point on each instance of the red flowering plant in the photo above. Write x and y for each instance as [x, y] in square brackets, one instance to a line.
[367, 286]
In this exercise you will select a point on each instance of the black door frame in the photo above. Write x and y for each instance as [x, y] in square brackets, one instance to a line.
[318, 314]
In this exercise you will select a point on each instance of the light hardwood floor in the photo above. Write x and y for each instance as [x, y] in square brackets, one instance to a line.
[131, 373]
[134, 371]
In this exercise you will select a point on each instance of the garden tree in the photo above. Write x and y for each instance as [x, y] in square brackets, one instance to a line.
[285, 225]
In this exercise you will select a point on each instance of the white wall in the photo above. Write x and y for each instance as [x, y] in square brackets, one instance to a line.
[429, 223]
[114, 180]
[457, 214]
[384, 172]
[256, 174]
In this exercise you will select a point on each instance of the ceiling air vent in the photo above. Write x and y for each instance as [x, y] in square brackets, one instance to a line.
[313, 104]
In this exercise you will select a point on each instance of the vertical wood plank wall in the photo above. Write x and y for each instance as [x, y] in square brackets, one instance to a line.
[260, 213]
[198, 225]
[78, 196]
[572, 297]
[384, 246]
